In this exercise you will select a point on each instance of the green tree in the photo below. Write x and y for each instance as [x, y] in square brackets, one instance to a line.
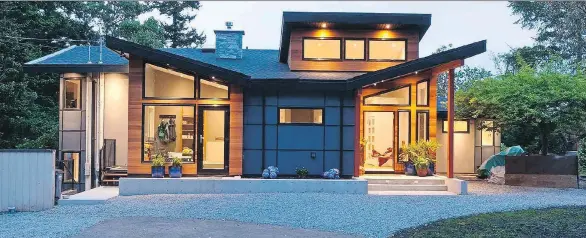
[178, 32]
[149, 33]
[28, 105]
[542, 102]
[464, 76]
[560, 26]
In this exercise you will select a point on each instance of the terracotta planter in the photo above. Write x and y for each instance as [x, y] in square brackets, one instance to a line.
[422, 172]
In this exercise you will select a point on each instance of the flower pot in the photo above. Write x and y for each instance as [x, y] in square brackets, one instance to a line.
[431, 169]
[175, 171]
[422, 172]
[158, 171]
[409, 169]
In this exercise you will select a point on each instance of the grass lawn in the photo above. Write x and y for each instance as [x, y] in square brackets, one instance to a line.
[550, 222]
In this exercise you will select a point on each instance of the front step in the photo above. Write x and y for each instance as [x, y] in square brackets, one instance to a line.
[410, 187]
[408, 181]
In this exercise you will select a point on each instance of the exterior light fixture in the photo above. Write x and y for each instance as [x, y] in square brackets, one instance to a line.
[416, 72]
[213, 77]
[388, 26]
[324, 25]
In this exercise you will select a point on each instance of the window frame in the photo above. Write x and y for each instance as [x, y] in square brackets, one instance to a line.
[426, 112]
[386, 39]
[214, 81]
[143, 107]
[322, 38]
[195, 83]
[386, 91]
[355, 39]
[445, 129]
[323, 117]
[64, 96]
[426, 81]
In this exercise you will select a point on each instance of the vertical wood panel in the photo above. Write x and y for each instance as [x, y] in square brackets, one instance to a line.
[296, 61]
[135, 102]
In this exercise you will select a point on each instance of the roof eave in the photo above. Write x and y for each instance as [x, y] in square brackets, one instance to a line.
[74, 68]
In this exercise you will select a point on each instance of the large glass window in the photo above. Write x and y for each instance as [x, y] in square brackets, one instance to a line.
[459, 127]
[384, 50]
[380, 141]
[354, 49]
[212, 90]
[422, 125]
[394, 97]
[301, 115]
[404, 128]
[322, 49]
[423, 93]
[161, 82]
[72, 99]
[487, 133]
[169, 131]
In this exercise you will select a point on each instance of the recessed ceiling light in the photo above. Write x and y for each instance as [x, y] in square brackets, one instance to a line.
[388, 26]
[213, 77]
[324, 25]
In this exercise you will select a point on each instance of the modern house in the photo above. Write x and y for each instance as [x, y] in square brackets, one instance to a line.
[337, 79]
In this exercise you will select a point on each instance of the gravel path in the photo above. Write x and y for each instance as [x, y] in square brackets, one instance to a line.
[139, 227]
[361, 215]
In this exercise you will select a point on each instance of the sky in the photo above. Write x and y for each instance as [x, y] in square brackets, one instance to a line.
[458, 23]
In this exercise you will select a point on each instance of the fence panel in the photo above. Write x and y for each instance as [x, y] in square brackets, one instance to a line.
[27, 179]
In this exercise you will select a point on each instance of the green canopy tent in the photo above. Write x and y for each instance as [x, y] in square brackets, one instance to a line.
[498, 160]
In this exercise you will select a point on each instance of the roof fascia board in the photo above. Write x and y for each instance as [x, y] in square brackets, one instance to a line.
[74, 68]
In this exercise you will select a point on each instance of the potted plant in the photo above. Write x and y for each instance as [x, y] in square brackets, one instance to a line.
[301, 172]
[419, 155]
[175, 168]
[421, 165]
[157, 167]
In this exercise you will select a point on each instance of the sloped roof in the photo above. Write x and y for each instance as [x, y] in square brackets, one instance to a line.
[79, 59]
[258, 64]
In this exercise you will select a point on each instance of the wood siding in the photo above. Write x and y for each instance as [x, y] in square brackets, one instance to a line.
[135, 102]
[412, 108]
[296, 61]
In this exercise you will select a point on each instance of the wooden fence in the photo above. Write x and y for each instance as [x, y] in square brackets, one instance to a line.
[27, 179]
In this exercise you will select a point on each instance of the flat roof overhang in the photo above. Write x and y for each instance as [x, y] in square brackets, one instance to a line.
[349, 20]
[74, 68]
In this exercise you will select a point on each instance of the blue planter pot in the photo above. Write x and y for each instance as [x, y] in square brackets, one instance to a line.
[175, 171]
[410, 169]
[158, 171]
[431, 169]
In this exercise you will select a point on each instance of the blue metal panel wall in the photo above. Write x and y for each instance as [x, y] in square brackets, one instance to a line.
[292, 146]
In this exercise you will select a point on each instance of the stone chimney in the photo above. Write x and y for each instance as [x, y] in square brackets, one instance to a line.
[229, 43]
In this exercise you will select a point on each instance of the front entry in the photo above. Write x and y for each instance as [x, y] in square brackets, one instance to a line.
[385, 132]
[213, 139]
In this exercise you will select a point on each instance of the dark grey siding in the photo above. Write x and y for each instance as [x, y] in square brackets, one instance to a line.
[288, 147]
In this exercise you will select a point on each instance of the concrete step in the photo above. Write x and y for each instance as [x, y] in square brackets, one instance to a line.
[408, 181]
[394, 187]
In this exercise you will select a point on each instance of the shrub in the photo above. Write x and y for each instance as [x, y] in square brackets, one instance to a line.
[301, 172]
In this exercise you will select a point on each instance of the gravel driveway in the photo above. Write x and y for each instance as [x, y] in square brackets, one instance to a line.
[360, 215]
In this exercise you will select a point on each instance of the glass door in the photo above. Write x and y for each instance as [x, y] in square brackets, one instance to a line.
[213, 136]
[379, 133]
